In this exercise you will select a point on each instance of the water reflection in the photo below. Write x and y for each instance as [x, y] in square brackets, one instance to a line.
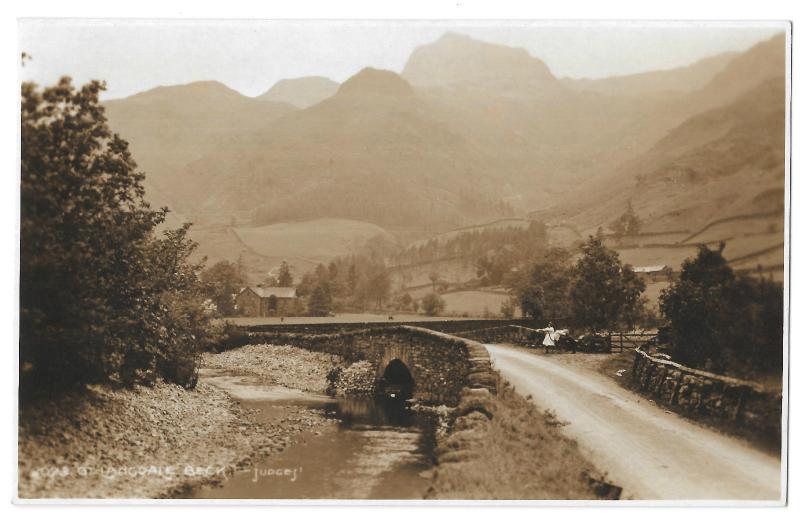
[376, 451]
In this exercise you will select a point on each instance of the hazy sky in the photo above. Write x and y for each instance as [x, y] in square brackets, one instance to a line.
[250, 56]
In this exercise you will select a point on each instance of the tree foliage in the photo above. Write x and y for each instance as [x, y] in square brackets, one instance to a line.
[724, 321]
[285, 276]
[507, 308]
[224, 280]
[320, 301]
[495, 252]
[628, 224]
[355, 282]
[433, 304]
[101, 297]
[603, 291]
[542, 291]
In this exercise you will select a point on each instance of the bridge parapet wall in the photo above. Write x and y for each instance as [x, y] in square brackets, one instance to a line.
[745, 404]
[441, 364]
[455, 326]
[506, 334]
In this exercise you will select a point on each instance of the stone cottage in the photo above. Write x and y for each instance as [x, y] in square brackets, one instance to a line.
[268, 302]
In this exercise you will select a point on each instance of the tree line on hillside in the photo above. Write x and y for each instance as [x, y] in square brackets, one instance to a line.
[495, 252]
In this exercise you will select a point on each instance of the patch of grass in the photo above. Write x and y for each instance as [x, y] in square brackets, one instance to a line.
[474, 302]
[502, 447]
[320, 239]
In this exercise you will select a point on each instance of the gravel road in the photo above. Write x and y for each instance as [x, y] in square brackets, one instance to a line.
[651, 453]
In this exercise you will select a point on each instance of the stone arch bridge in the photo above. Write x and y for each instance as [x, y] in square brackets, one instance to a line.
[433, 366]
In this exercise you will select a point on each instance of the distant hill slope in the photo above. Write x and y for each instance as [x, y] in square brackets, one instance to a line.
[722, 162]
[375, 152]
[170, 126]
[301, 92]
[658, 82]
[543, 135]
[719, 175]
[747, 70]
[471, 132]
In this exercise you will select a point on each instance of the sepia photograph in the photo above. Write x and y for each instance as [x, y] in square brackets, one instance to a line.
[403, 261]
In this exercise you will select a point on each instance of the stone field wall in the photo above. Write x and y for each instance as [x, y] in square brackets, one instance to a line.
[742, 403]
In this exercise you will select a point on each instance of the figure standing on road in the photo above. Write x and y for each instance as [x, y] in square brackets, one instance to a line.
[550, 337]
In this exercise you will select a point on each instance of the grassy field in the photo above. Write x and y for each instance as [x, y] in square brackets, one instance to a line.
[497, 224]
[303, 245]
[475, 303]
[450, 270]
[317, 240]
[220, 243]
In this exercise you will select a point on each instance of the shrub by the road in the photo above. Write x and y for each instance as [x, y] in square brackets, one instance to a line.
[103, 298]
[724, 321]
[432, 304]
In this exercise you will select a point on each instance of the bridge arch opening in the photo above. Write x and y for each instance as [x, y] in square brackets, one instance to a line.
[397, 381]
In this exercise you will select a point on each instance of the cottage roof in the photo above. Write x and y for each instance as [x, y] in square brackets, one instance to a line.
[649, 269]
[278, 292]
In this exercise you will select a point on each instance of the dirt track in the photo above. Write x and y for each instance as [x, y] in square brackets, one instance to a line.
[651, 453]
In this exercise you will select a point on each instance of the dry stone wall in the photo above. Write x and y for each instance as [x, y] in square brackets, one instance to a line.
[740, 402]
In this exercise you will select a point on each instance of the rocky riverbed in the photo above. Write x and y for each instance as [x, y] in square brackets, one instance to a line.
[282, 365]
[150, 442]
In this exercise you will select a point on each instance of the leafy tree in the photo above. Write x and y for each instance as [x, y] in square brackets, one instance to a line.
[101, 297]
[285, 276]
[306, 285]
[493, 268]
[352, 278]
[603, 290]
[724, 321]
[434, 277]
[379, 285]
[319, 302]
[542, 290]
[432, 304]
[337, 282]
[404, 302]
[628, 224]
[224, 280]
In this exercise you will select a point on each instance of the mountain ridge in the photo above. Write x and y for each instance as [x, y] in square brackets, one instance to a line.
[301, 92]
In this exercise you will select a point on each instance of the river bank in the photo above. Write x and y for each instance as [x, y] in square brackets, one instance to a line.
[230, 438]
[500, 446]
[154, 442]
